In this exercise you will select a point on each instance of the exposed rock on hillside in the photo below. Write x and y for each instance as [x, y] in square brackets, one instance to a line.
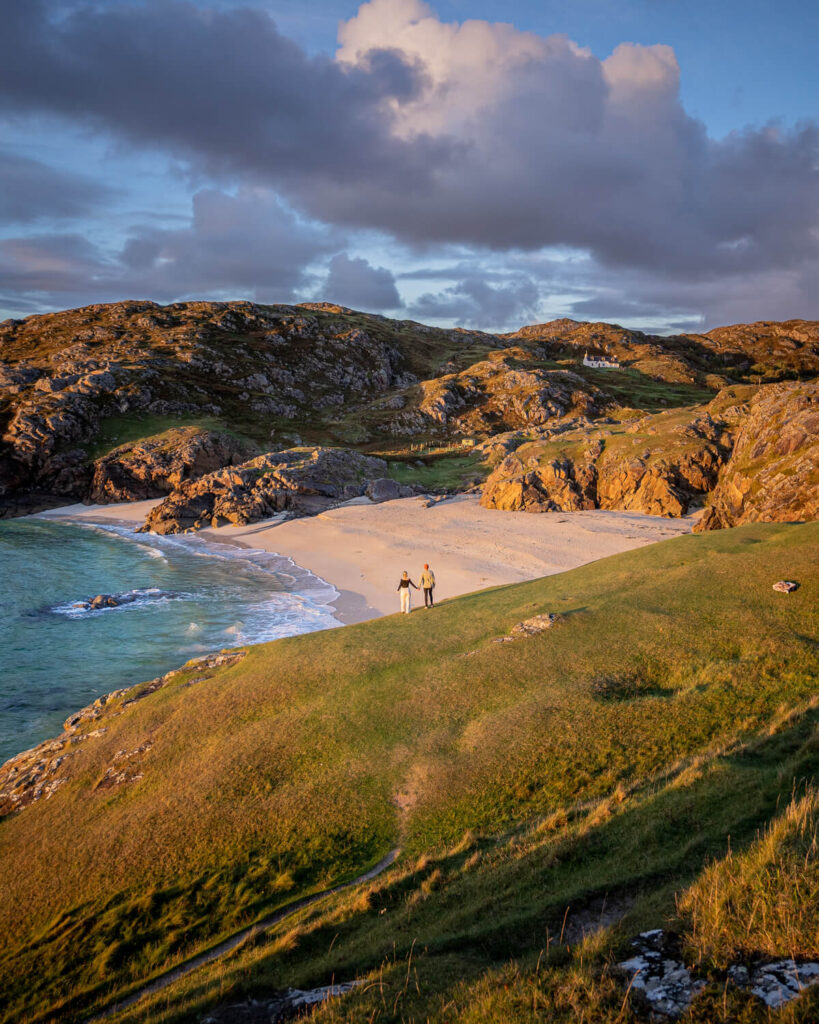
[38, 773]
[261, 369]
[657, 466]
[73, 382]
[157, 465]
[773, 473]
[765, 348]
[503, 392]
[303, 481]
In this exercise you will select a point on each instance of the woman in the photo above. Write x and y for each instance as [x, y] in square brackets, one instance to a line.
[403, 586]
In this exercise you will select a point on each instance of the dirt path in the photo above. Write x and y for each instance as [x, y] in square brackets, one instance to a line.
[228, 945]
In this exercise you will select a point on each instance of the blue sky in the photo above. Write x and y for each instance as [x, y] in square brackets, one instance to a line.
[469, 162]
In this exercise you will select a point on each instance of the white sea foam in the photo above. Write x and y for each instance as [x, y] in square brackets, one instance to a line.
[301, 605]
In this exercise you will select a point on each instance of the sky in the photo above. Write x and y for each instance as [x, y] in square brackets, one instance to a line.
[479, 163]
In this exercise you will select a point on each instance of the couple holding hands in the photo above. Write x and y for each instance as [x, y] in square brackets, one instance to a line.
[427, 583]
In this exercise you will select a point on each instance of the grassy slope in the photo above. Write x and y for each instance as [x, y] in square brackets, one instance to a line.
[281, 774]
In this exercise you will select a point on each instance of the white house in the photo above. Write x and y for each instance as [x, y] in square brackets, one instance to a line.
[601, 362]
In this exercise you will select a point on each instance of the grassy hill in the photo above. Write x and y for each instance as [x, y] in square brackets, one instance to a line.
[592, 773]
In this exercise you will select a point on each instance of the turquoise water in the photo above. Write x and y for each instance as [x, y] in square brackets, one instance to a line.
[189, 598]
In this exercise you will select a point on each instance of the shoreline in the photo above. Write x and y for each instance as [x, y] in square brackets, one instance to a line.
[361, 548]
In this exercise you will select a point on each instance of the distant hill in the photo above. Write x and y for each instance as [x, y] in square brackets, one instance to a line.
[88, 396]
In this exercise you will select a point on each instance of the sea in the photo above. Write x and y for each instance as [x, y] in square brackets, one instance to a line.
[181, 596]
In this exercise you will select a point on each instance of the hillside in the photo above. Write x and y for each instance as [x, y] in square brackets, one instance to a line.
[579, 779]
[133, 400]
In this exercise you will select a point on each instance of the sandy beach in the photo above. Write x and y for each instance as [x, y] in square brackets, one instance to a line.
[362, 548]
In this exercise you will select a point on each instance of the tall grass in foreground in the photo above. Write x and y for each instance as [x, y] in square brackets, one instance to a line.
[764, 900]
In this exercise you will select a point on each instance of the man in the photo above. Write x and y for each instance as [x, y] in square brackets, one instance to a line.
[428, 583]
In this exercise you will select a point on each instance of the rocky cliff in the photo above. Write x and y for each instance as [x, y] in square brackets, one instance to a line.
[155, 466]
[659, 464]
[773, 472]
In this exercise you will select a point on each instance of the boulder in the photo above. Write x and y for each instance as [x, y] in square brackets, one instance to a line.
[383, 489]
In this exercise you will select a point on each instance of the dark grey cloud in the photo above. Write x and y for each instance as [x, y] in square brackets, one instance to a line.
[352, 281]
[221, 87]
[31, 190]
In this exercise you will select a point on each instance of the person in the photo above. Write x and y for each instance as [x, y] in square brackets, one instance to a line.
[428, 583]
[404, 585]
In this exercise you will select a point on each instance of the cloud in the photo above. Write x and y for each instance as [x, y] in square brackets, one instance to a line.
[473, 302]
[248, 244]
[32, 191]
[473, 135]
[221, 87]
[352, 281]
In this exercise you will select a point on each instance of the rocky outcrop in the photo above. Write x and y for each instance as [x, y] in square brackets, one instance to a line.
[506, 391]
[773, 472]
[302, 481]
[66, 378]
[155, 466]
[678, 465]
[658, 979]
[38, 773]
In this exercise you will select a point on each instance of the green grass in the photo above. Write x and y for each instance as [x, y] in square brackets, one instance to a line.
[513, 790]
[632, 387]
[443, 472]
[763, 900]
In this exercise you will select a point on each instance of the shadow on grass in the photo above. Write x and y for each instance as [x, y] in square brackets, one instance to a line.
[488, 900]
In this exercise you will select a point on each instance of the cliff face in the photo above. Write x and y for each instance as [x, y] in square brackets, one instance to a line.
[155, 466]
[773, 472]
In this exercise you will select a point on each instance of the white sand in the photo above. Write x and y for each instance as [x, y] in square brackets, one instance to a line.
[361, 549]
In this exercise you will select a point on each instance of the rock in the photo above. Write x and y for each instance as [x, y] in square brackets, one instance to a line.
[497, 394]
[154, 466]
[778, 982]
[534, 625]
[278, 1006]
[529, 627]
[771, 475]
[661, 480]
[786, 586]
[139, 595]
[297, 481]
[656, 972]
[384, 489]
